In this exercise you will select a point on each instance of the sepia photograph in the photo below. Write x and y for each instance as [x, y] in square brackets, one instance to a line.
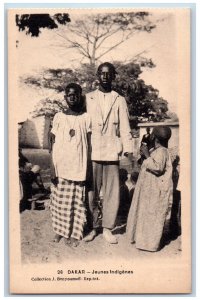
[99, 150]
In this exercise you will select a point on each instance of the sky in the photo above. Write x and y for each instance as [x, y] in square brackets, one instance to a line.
[36, 54]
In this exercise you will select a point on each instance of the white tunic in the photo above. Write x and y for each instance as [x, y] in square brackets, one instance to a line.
[70, 153]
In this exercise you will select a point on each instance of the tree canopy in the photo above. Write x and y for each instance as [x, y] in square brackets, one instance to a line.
[143, 100]
[93, 36]
[32, 23]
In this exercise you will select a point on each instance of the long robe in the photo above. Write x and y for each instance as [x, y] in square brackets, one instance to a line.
[151, 201]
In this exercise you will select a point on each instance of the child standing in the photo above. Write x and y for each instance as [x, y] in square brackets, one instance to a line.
[70, 136]
[153, 194]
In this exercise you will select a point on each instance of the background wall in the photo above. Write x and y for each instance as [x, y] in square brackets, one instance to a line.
[34, 133]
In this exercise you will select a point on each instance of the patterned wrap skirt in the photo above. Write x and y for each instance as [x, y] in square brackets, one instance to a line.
[67, 208]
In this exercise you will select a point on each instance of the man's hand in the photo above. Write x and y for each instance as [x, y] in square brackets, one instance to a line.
[54, 178]
[129, 156]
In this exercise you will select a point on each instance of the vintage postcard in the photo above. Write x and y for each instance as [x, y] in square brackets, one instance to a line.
[99, 151]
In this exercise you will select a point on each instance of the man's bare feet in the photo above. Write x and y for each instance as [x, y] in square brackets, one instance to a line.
[109, 237]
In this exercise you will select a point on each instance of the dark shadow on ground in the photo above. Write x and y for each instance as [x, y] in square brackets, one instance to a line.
[172, 229]
[119, 229]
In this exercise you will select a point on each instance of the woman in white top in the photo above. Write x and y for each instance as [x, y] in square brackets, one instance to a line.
[70, 134]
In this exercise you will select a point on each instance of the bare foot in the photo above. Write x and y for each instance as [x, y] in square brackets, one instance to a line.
[74, 242]
[67, 241]
[57, 238]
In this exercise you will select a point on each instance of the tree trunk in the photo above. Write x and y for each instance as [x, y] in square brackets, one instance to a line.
[93, 56]
[92, 62]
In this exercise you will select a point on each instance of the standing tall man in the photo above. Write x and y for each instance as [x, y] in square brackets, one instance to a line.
[111, 136]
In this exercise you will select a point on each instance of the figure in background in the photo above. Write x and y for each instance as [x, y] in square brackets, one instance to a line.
[135, 131]
[29, 174]
[146, 140]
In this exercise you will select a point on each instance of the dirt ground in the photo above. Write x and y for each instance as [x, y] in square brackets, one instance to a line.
[37, 234]
[37, 245]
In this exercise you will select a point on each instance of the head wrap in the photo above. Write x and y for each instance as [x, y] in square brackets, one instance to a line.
[162, 133]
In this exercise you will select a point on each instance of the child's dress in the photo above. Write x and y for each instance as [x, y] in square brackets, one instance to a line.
[151, 201]
[69, 155]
